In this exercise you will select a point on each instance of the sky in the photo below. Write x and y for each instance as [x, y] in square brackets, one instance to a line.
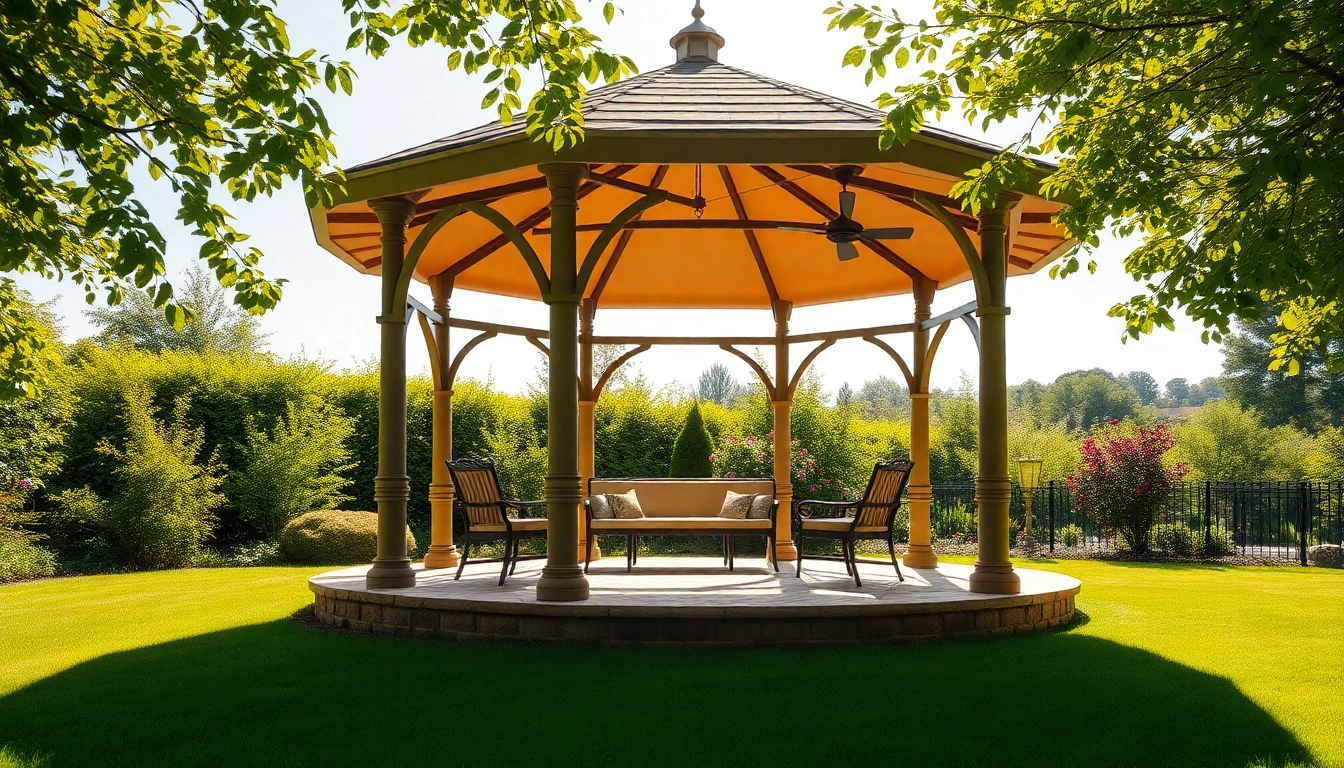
[408, 97]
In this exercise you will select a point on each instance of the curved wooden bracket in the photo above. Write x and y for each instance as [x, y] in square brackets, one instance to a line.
[900, 361]
[755, 366]
[978, 273]
[536, 342]
[611, 369]
[802, 367]
[414, 253]
[975, 328]
[516, 237]
[428, 330]
[609, 232]
[461, 355]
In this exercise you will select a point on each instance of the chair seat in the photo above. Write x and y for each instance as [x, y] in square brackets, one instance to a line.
[839, 524]
[724, 524]
[519, 524]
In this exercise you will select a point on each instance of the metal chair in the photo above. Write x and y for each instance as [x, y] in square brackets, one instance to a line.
[488, 516]
[872, 516]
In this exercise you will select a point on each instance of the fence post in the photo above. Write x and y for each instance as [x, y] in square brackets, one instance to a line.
[1208, 516]
[1303, 522]
[1052, 515]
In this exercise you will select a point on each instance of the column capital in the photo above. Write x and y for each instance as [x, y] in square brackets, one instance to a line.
[563, 175]
[394, 210]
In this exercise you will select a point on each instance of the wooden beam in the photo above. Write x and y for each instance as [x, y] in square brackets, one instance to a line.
[659, 174]
[613, 180]
[702, 341]
[755, 366]
[807, 361]
[1020, 263]
[894, 355]
[964, 309]
[528, 222]
[508, 330]
[747, 225]
[752, 242]
[855, 333]
[425, 208]
[1038, 218]
[611, 369]
[812, 202]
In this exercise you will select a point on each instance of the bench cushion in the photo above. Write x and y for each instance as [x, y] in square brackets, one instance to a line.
[697, 497]
[715, 524]
[839, 524]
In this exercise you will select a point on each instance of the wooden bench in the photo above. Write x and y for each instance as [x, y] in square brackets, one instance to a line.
[682, 507]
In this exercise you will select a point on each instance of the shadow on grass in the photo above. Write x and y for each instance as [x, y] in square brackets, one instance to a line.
[285, 694]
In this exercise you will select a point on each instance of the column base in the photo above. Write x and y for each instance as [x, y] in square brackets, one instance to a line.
[394, 573]
[785, 550]
[920, 556]
[442, 556]
[995, 579]
[561, 584]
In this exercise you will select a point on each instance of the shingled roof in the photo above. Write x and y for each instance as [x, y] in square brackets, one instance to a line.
[696, 94]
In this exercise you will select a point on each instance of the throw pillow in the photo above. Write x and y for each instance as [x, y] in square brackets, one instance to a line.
[625, 506]
[736, 505]
[598, 504]
[760, 507]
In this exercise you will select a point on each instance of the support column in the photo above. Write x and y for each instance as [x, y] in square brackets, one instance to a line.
[392, 486]
[782, 403]
[587, 423]
[562, 579]
[920, 492]
[442, 552]
[993, 569]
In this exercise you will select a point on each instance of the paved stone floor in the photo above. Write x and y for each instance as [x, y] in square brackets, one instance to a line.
[703, 582]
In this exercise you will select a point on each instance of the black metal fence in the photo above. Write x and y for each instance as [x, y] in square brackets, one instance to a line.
[1277, 520]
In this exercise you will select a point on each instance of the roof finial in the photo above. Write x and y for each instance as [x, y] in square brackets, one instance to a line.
[697, 41]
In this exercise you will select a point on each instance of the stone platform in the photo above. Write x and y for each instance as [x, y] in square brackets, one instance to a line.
[691, 600]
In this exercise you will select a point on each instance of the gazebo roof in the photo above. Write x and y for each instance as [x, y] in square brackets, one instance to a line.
[756, 152]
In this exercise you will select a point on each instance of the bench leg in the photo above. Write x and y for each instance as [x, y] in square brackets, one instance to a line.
[732, 553]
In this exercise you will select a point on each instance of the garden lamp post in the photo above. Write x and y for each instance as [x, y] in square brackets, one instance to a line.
[1029, 475]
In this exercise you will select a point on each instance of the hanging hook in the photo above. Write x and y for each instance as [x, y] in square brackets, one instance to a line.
[699, 192]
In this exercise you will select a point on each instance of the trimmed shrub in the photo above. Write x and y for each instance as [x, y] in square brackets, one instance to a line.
[691, 451]
[292, 469]
[333, 536]
[1070, 535]
[20, 558]
[1326, 556]
[1177, 539]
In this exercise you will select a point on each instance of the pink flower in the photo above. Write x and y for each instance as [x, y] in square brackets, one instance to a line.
[771, 436]
[802, 451]
[812, 488]
[25, 483]
[730, 474]
[751, 440]
[801, 474]
[1114, 422]
[713, 456]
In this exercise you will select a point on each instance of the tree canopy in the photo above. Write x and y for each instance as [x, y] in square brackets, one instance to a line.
[1311, 400]
[1214, 130]
[214, 325]
[211, 100]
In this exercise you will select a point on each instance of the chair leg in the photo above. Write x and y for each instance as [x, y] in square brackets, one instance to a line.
[799, 541]
[844, 551]
[892, 549]
[853, 562]
[588, 556]
[635, 549]
[771, 556]
[517, 545]
[466, 552]
[732, 553]
[504, 571]
[723, 545]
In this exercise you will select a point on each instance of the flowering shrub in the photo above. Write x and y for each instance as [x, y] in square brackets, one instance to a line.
[1121, 481]
[753, 456]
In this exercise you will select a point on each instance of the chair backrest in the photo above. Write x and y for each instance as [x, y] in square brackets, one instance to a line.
[478, 489]
[883, 496]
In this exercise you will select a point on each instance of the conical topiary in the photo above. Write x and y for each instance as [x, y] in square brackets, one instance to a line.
[690, 454]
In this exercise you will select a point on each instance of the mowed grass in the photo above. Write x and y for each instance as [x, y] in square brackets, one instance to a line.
[1175, 665]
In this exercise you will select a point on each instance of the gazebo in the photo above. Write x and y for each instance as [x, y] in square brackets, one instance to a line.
[698, 185]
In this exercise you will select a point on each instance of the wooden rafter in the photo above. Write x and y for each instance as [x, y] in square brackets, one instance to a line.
[752, 242]
[425, 209]
[659, 174]
[1020, 263]
[613, 180]
[746, 225]
[898, 193]
[1038, 218]
[808, 199]
[528, 222]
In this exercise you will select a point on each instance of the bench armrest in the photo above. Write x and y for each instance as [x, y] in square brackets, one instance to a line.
[799, 509]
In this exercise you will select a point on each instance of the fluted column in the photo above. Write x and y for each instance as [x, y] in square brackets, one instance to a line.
[562, 579]
[442, 552]
[993, 569]
[920, 493]
[782, 403]
[392, 486]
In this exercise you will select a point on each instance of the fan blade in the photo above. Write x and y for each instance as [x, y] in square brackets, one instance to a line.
[847, 204]
[888, 233]
[846, 251]
[800, 229]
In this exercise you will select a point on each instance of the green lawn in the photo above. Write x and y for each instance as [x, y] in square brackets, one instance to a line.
[1177, 665]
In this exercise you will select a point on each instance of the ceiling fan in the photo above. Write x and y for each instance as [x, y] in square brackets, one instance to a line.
[845, 231]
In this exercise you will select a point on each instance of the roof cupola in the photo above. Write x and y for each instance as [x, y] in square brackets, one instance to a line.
[697, 41]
